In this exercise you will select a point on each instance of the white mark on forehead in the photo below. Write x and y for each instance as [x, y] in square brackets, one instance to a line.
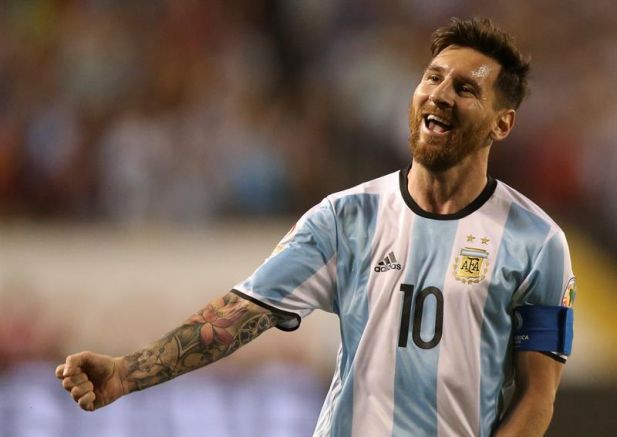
[481, 72]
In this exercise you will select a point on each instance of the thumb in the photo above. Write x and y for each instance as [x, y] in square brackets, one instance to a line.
[60, 371]
[74, 363]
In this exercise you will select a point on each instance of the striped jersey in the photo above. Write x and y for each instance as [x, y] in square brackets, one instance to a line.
[425, 302]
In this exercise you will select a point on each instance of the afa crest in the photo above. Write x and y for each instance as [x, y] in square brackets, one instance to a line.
[471, 265]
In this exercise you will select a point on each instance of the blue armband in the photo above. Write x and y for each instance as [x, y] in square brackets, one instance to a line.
[543, 328]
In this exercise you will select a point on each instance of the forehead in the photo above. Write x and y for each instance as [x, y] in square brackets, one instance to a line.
[467, 63]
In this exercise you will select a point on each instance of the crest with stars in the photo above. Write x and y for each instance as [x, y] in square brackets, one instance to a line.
[471, 264]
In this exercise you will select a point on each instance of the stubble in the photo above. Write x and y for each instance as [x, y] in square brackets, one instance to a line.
[438, 155]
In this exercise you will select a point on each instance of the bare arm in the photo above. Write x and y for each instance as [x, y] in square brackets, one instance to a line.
[214, 332]
[537, 379]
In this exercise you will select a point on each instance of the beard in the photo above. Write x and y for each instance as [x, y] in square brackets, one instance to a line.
[441, 154]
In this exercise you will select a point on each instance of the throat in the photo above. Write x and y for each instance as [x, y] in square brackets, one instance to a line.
[447, 192]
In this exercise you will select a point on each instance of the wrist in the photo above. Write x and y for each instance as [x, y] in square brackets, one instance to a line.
[121, 367]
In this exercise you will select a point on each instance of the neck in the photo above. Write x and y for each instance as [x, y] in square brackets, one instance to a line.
[452, 190]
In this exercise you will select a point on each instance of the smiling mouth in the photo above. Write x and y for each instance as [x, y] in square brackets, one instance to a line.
[437, 124]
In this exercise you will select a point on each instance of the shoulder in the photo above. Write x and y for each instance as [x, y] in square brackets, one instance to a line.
[366, 193]
[524, 216]
[355, 204]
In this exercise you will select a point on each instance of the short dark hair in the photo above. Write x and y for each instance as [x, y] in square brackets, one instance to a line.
[482, 35]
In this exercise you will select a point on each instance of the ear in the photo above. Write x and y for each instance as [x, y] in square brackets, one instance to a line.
[503, 124]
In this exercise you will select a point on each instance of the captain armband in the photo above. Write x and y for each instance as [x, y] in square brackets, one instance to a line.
[543, 328]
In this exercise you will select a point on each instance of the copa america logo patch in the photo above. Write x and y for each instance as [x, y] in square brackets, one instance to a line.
[569, 294]
[284, 241]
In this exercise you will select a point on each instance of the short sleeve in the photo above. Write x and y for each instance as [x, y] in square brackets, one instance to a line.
[300, 274]
[551, 280]
[550, 283]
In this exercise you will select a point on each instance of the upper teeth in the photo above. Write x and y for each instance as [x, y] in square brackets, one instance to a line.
[437, 119]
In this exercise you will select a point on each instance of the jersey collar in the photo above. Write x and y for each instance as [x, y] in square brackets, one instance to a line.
[486, 193]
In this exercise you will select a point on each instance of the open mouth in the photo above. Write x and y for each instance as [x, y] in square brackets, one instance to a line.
[437, 124]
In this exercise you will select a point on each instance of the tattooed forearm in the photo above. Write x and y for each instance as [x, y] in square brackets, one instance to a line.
[213, 333]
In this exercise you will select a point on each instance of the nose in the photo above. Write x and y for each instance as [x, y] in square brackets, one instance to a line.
[442, 95]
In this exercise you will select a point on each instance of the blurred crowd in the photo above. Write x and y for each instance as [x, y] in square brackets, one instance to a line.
[187, 110]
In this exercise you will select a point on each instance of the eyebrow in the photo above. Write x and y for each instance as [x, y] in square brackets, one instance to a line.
[466, 79]
[437, 68]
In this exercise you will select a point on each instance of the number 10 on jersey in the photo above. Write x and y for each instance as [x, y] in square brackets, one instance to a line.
[418, 311]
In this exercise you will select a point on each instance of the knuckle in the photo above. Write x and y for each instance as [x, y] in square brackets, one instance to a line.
[77, 391]
[79, 378]
[85, 401]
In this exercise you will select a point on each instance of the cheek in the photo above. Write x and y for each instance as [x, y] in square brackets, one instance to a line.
[419, 96]
[475, 114]
[417, 100]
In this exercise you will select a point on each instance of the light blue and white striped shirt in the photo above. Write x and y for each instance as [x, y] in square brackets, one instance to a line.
[425, 302]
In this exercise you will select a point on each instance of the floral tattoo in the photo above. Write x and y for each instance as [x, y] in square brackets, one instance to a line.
[216, 319]
[223, 326]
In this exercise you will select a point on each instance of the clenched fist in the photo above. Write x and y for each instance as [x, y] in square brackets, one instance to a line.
[92, 379]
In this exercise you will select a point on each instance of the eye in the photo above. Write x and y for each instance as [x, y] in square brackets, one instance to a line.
[432, 77]
[467, 90]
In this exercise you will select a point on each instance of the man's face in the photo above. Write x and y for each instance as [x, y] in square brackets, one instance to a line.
[453, 109]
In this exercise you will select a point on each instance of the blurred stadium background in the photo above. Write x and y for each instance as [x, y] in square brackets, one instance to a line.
[153, 152]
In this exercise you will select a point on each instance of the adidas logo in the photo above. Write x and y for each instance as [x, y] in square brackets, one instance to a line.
[388, 263]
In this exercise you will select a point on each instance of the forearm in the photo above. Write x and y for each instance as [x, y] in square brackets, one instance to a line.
[529, 415]
[213, 333]
[531, 411]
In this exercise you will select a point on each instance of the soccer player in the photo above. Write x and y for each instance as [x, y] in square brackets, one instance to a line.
[452, 289]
